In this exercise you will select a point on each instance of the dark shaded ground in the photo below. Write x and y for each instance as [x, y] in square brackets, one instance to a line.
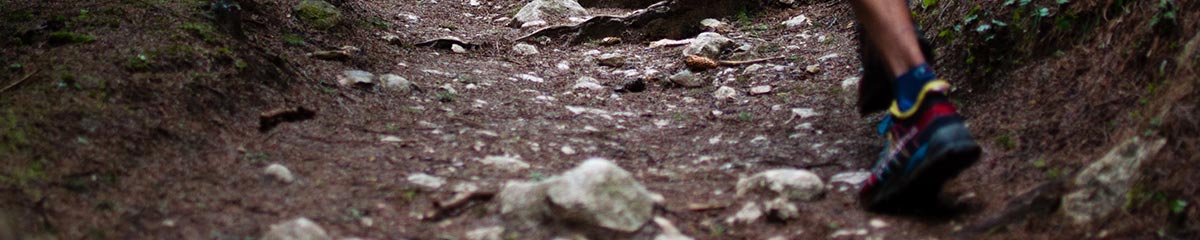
[152, 129]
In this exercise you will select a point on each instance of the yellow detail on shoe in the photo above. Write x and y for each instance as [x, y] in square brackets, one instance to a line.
[935, 85]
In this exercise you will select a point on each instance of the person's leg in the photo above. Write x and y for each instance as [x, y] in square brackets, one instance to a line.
[927, 141]
[889, 25]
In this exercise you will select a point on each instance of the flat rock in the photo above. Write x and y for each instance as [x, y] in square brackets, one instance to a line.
[525, 49]
[686, 78]
[611, 60]
[1103, 185]
[505, 162]
[296, 229]
[713, 24]
[760, 90]
[588, 83]
[796, 22]
[426, 180]
[792, 184]
[355, 77]
[486, 233]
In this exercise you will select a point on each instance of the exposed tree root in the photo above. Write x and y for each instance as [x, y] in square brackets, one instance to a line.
[665, 19]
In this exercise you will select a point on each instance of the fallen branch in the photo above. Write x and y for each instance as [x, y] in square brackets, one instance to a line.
[451, 207]
[19, 81]
[698, 63]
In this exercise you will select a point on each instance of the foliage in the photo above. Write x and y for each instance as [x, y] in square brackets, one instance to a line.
[66, 37]
[318, 14]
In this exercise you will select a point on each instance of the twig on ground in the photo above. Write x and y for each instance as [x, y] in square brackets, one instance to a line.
[19, 81]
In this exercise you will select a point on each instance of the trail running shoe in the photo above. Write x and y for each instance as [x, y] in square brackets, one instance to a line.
[926, 146]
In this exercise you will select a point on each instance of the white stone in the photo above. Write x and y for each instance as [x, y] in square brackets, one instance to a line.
[531, 78]
[297, 229]
[708, 44]
[686, 78]
[877, 223]
[534, 24]
[793, 184]
[568, 150]
[814, 69]
[486, 233]
[588, 83]
[713, 23]
[457, 49]
[804, 113]
[599, 192]
[749, 213]
[760, 90]
[796, 22]
[397, 82]
[724, 93]
[426, 180]
[850, 178]
[668, 231]
[525, 49]
[279, 172]
[349, 77]
[752, 68]
[596, 194]
[611, 60]
[505, 162]
[391, 139]
[849, 84]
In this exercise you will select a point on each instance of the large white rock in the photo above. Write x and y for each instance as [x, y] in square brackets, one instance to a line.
[1102, 186]
[296, 229]
[597, 193]
[548, 11]
[601, 193]
[792, 184]
[709, 44]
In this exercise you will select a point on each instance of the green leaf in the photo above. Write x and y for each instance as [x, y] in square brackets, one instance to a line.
[1178, 206]
[999, 23]
[928, 3]
[1061, 2]
[1025, 2]
[1008, 3]
[1042, 12]
[983, 27]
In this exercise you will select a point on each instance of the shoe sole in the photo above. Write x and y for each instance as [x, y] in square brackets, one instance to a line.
[958, 151]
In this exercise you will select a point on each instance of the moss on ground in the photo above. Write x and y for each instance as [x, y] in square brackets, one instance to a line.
[318, 14]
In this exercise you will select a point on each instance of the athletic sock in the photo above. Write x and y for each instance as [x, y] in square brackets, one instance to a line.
[909, 85]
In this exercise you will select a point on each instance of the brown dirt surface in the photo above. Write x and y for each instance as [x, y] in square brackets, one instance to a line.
[140, 119]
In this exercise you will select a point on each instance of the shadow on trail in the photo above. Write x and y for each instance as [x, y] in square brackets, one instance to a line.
[931, 210]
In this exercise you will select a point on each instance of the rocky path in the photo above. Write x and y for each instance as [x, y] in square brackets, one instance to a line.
[517, 111]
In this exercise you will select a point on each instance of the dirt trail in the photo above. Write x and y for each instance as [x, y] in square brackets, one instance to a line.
[201, 93]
